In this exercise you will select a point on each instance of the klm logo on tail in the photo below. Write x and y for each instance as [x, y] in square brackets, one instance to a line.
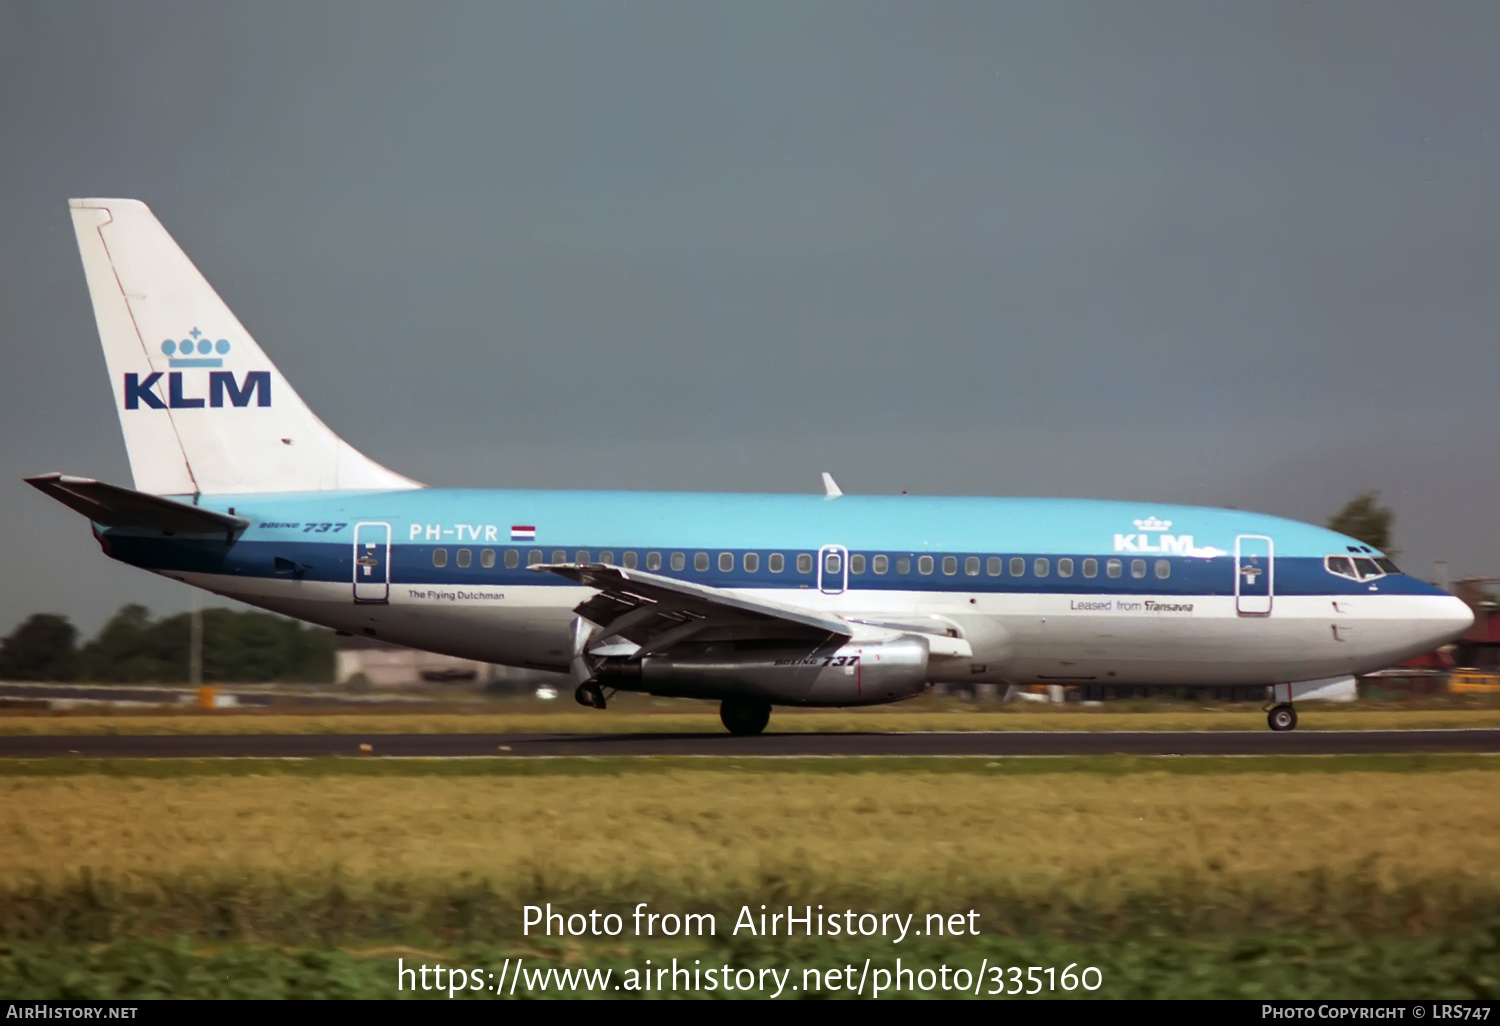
[196, 351]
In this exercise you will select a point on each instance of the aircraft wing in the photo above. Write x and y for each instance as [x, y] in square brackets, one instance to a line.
[656, 612]
[114, 506]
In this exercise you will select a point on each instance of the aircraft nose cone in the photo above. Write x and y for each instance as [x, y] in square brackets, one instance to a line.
[1450, 618]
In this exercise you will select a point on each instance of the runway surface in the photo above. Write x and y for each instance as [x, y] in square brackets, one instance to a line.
[1000, 743]
[118, 694]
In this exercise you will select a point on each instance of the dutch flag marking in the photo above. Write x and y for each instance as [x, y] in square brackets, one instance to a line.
[523, 533]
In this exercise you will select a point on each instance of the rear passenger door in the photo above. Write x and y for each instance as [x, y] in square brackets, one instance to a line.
[372, 562]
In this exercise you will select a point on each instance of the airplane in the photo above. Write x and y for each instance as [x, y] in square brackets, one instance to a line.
[751, 600]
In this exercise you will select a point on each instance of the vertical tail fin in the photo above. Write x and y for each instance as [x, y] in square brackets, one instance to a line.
[202, 409]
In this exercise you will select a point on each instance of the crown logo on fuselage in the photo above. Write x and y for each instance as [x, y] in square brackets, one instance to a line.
[1153, 524]
[195, 351]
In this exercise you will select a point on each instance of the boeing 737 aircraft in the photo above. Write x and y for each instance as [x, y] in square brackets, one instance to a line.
[751, 600]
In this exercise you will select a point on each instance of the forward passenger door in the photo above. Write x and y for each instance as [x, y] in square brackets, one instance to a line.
[1254, 574]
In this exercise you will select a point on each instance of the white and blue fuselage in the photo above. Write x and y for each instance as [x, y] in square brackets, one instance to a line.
[1076, 589]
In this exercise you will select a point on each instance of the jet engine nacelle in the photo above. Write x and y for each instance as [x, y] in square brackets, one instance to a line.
[853, 673]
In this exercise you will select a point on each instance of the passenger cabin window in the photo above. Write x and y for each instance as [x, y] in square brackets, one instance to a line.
[950, 565]
[1065, 567]
[924, 564]
[1091, 567]
[700, 561]
[678, 561]
[726, 562]
[559, 556]
[1138, 568]
[832, 564]
[607, 557]
[776, 563]
[439, 557]
[582, 556]
[534, 557]
[630, 559]
[1017, 566]
[1163, 569]
[1114, 567]
[1040, 567]
[465, 558]
[880, 564]
[487, 559]
[653, 561]
[971, 566]
[804, 563]
[903, 565]
[512, 559]
[752, 562]
[992, 566]
[856, 564]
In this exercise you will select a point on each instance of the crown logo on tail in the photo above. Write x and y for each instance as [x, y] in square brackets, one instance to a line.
[196, 351]
[1153, 524]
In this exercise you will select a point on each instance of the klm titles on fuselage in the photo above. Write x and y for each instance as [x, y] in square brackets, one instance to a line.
[1179, 544]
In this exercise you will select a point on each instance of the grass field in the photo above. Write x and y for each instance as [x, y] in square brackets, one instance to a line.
[694, 717]
[1354, 877]
[724, 836]
[1288, 965]
[710, 830]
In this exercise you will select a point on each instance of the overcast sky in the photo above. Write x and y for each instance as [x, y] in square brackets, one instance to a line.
[1220, 253]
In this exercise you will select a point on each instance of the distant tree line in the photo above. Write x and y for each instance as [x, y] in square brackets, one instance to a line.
[238, 647]
[1363, 518]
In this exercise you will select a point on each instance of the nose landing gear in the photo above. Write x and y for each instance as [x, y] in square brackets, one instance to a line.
[1282, 717]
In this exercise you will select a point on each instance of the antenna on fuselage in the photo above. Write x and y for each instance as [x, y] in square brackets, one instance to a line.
[831, 489]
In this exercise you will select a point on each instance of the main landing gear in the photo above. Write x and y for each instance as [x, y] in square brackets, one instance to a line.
[1282, 717]
[589, 693]
[744, 716]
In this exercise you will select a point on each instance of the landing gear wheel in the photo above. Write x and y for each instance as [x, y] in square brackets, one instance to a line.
[590, 694]
[1283, 717]
[744, 716]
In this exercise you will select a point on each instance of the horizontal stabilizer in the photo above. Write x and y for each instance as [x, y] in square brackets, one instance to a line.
[114, 506]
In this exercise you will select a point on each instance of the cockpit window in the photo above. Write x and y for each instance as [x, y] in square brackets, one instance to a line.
[1359, 568]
